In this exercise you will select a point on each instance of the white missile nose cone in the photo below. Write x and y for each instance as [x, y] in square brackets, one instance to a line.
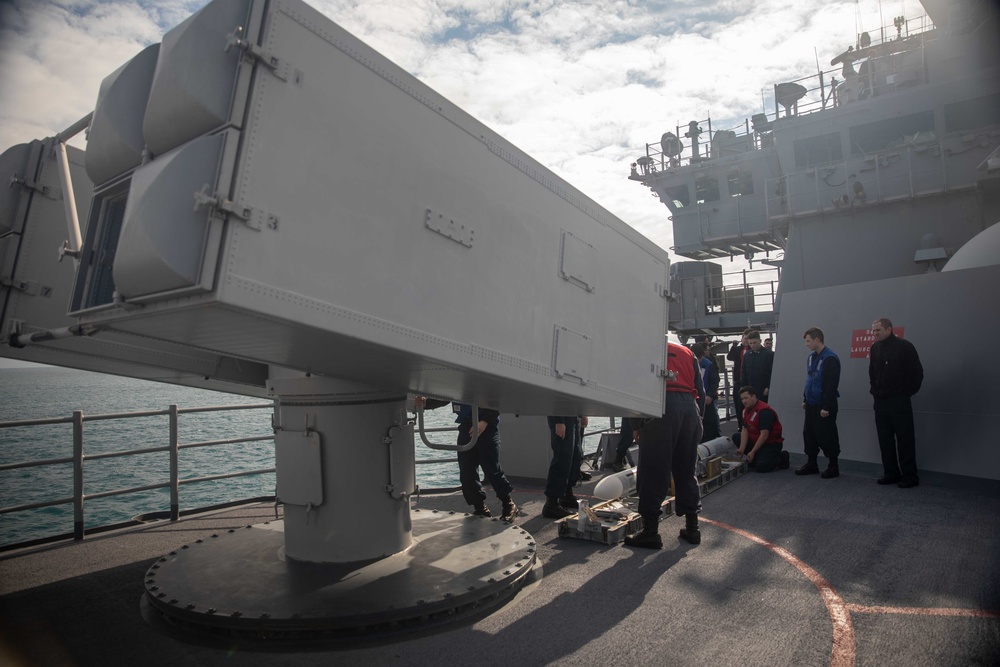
[617, 485]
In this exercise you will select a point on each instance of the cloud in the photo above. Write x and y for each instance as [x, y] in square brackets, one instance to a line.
[581, 85]
[54, 56]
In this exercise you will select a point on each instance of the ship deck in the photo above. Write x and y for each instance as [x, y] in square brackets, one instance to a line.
[791, 571]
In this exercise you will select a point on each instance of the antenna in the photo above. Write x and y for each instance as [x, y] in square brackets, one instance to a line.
[881, 22]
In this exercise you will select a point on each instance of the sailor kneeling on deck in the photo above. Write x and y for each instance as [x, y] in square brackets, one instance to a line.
[760, 438]
[670, 444]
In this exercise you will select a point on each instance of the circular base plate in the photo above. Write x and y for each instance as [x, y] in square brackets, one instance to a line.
[239, 585]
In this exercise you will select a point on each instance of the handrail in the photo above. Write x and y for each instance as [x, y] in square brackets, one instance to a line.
[451, 448]
[821, 90]
[78, 458]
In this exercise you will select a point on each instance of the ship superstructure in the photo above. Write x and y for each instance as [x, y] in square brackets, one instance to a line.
[872, 190]
[879, 168]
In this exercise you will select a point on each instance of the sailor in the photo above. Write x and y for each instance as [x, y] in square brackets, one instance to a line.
[484, 454]
[736, 354]
[711, 426]
[625, 440]
[896, 374]
[564, 468]
[757, 364]
[819, 400]
[760, 438]
[585, 475]
[669, 444]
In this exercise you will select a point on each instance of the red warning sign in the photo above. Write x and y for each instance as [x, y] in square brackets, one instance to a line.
[862, 339]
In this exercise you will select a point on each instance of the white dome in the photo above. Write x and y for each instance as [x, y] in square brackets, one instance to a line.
[982, 250]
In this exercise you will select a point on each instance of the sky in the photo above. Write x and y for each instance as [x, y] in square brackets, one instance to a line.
[580, 85]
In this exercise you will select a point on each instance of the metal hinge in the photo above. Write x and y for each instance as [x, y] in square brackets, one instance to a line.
[49, 191]
[670, 375]
[252, 52]
[251, 217]
[30, 287]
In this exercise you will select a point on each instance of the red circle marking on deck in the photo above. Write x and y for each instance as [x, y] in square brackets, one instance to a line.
[923, 611]
[843, 652]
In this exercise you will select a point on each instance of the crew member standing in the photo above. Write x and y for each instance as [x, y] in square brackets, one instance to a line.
[484, 454]
[711, 426]
[757, 364]
[819, 400]
[896, 374]
[564, 468]
[735, 355]
[670, 444]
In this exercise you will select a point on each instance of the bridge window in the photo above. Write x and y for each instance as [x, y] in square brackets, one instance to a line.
[679, 195]
[706, 189]
[740, 183]
[818, 150]
[972, 114]
[873, 137]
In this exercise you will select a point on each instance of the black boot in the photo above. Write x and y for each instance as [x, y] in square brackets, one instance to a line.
[810, 468]
[569, 501]
[482, 510]
[553, 510]
[648, 537]
[619, 464]
[690, 531]
[832, 470]
[509, 511]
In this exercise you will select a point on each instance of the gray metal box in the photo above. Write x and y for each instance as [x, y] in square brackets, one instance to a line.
[311, 205]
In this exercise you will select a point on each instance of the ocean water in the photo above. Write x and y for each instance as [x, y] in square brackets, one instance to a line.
[40, 393]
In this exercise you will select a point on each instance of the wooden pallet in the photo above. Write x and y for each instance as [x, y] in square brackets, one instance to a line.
[620, 518]
[730, 471]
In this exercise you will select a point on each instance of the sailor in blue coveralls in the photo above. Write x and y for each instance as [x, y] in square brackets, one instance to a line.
[819, 400]
[485, 454]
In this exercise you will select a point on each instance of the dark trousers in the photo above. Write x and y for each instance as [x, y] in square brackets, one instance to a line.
[896, 436]
[567, 454]
[820, 433]
[625, 440]
[738, 407]
[485, 455]
[710, 424]
[767, 457]
[670, 445]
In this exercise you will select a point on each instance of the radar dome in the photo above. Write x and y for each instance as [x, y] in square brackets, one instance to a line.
[981, 250]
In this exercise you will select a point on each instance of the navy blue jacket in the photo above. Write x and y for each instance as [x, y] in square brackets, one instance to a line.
[463, 412]
[822, 379]
[757, 370]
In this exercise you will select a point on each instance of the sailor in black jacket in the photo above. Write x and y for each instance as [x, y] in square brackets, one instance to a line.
[895, 374]
[757, 364]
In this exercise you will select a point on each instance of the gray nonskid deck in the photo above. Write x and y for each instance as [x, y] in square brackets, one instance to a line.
[907, 576]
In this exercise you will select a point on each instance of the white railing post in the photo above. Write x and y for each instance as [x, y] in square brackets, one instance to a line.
[77, 474]
[174, 482]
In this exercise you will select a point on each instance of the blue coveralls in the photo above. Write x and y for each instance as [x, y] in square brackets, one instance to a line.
[485, 454]
[567, 454]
